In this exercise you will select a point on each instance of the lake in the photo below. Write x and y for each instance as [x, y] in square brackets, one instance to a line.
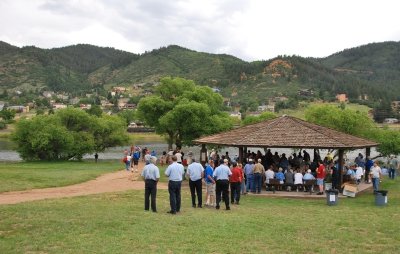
[158, 144]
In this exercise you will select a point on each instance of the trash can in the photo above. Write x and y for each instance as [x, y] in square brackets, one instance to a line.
[381, 198]
[332, 197]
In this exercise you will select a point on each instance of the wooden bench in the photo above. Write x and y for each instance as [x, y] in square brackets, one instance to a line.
[309, 184]
[274, 184]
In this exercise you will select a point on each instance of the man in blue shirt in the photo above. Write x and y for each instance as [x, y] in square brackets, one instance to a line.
[248, 171]
[151, 175]
[221, 175]
[210, 183]
[174, 173]
[195, 173]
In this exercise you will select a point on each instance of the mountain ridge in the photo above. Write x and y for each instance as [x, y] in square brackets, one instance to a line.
[83, 67]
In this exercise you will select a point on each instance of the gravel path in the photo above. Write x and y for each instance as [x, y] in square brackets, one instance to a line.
[111, 182]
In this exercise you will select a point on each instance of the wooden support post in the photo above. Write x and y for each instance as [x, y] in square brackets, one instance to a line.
[203, 155]
[245, 153]
[340, 169]
[240, 154]
[367, 152]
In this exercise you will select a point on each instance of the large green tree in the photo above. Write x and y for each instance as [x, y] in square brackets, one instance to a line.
[68, 134]
[183, 111]
[355, 123]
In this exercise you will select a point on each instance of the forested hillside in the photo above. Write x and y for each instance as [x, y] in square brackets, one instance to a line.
[372, 70]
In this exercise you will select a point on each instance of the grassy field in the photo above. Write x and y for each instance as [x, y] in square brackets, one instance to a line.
[117, 223]
[29, 175]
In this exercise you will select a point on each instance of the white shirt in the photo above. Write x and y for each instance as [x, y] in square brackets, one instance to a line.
[178, 157]
[194, 171]
[359, 172]
[268, 175]
[376, 171]
[298, 178]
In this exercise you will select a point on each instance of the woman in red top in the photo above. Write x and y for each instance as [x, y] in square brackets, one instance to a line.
[235, 181]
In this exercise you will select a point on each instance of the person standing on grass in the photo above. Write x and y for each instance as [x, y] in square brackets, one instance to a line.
[210, 183]
[221, 175]
[195, 172]
[150, 175]
[376, 175]
[393, 166]
[174, 172]
[258, 172]
[248, 170]
[368, 165]
[321, 172]
[235, 181]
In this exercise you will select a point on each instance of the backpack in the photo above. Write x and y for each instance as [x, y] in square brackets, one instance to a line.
[136, 155]
[125, 159]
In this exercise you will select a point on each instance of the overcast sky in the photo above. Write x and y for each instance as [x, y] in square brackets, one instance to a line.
[248, 29]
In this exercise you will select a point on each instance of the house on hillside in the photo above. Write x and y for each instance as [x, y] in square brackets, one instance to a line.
[47, 94]
[236, 114]
[270, 108]
[19, 109]
[396, 106]
[59, 106]
[119, 89]
[306, 92]
[85, 106]
[342, 97]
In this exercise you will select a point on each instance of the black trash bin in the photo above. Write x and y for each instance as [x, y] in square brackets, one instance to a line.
[381, 198]
[332, 197]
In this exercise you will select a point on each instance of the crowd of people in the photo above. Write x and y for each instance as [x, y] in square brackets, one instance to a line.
[223, 175]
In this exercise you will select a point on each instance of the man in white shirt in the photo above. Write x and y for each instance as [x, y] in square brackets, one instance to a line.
[195, 172]
[376, 175]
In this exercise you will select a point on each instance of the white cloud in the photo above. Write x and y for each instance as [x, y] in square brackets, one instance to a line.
[250, 30]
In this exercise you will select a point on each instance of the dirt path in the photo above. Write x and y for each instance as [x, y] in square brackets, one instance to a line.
[112, 182]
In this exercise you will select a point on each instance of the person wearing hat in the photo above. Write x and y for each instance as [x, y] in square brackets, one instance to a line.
[150, 175]
[308, 176]
[221, 175]
[248, 171]
[258, 172]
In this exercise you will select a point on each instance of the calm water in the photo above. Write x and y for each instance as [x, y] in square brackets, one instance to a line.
[158, 145]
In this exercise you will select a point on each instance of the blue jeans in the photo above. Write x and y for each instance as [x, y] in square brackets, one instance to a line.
[392, 173]
[375, 184]
[249, 182]
[257, 182]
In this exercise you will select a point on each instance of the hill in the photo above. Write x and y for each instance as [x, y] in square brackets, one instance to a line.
[371, 70]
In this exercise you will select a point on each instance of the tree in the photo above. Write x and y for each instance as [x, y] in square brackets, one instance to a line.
[355, 123]
[256, 119]
[7, 114]
[127, 115]
[183, 111]
[345, 120]
[68, 134]
[95, 110]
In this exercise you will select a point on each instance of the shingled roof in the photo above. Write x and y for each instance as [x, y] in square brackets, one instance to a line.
[286, 132]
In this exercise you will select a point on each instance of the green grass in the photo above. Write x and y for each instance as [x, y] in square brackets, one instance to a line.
[117, 223]
[30, 175]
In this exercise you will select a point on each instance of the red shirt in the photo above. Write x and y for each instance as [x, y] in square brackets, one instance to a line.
[236, 176]
[321, 171]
